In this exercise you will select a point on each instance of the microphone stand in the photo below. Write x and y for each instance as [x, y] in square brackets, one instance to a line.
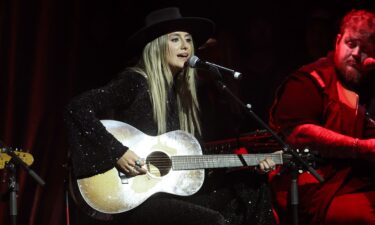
[297, 161]
[13, 188]
[13, 185]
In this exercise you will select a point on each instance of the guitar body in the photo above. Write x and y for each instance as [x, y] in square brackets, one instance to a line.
[112, 192]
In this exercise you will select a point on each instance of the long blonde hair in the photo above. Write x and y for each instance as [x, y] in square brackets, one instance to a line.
[153, 65]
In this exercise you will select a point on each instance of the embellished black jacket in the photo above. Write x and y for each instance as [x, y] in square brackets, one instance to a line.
[93, 149]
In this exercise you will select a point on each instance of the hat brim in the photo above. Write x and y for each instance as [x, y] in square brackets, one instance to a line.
[201, 30]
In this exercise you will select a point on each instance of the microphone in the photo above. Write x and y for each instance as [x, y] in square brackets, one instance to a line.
[369, 62]
[195, 62]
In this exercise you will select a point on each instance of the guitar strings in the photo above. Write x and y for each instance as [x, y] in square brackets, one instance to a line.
[186, 161]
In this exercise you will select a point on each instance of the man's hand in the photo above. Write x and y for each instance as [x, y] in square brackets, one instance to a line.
[366, 149]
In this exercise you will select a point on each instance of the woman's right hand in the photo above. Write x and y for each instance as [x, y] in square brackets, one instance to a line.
[131, 164]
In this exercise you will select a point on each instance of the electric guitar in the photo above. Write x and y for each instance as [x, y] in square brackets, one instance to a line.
[174, 162]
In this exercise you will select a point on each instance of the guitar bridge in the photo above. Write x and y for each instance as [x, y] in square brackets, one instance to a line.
[123, 177]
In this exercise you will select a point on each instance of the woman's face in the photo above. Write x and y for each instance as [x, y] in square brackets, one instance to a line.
[180, 46]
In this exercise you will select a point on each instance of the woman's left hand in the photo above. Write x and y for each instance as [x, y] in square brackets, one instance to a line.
[267, 164]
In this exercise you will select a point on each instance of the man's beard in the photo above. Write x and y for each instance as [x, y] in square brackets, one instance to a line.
[351, 77]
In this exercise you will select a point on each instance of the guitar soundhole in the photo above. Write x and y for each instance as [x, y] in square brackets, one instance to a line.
[158, 164]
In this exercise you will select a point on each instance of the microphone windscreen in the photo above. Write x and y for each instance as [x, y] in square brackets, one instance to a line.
[192, 62]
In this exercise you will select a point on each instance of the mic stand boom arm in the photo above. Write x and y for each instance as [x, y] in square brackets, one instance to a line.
[297, 160]
[19, 161]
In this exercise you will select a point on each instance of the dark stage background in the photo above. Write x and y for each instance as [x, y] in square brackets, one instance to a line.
[52, 50]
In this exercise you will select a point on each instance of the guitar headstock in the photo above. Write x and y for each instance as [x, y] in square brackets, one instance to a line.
[311, 158]
[24, 156]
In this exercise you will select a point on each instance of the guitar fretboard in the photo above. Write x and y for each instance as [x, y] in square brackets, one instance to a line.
[186, 162]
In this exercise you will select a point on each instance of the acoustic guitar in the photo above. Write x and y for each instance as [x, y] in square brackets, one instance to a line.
[174, 162]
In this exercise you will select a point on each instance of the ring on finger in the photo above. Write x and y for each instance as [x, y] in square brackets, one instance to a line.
[138, 162]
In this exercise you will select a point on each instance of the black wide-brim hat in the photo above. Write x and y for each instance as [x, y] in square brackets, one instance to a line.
[167, 20]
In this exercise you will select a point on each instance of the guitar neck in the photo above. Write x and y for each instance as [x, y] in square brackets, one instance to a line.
[191, 162]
